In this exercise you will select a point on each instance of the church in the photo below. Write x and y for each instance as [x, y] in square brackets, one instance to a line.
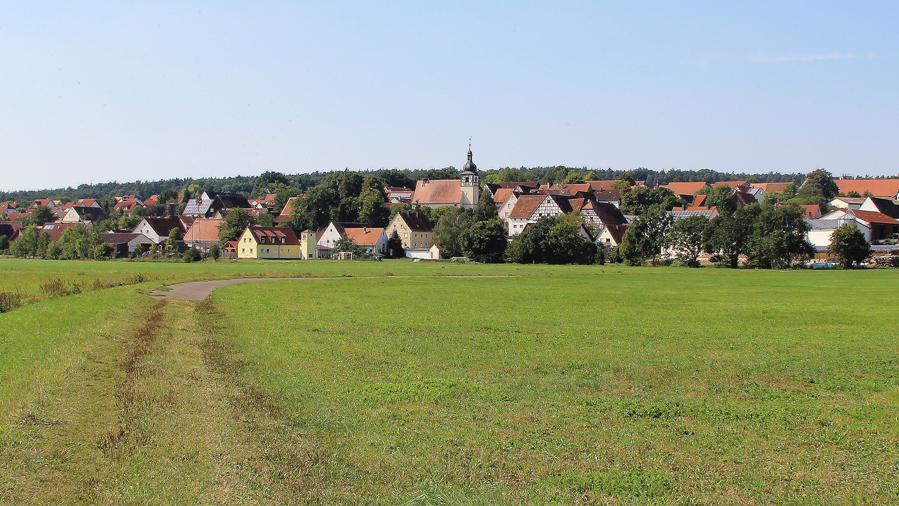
[463, 192]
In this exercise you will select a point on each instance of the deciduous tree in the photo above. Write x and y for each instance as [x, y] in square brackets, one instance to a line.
[686, 239]
[849, 245]
[484, 241]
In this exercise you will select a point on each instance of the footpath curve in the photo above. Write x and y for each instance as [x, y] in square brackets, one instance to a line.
[199, 290]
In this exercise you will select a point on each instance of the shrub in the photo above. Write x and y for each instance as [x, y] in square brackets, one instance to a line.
[215, 252]
[54, 288]
[192, 255]
[9, 301]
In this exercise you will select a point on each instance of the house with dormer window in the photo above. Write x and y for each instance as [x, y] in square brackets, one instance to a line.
[268, 242]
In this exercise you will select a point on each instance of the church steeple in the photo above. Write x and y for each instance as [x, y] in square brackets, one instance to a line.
[469, 165]
[470, 182]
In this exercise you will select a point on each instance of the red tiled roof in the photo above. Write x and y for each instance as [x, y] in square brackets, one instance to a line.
[729, 184]
[437, 191]
[501, 195]
[875, 217]
[126, 205]
[203, 230]
[39, 203]
[55, 230]
[685, 188]
[363, 236]
[812, 211]
[276, 233]
[287, 212]
[603, 184]
[525, 206]
[152, 200]
[771, 187]
[876, 187]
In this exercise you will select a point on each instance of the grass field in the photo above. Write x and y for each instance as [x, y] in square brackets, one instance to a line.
[388, 383]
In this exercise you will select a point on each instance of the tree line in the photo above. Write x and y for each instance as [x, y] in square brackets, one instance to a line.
[273, 181]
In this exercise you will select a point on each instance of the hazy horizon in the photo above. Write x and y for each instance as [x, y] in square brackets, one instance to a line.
[100, 92]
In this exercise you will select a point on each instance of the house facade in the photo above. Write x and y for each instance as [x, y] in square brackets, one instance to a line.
[415, 231]
[268, 243]
[157, 229]
[371, 239]
[203, 233]
[126, 244]
[530, 208]
[83, 214]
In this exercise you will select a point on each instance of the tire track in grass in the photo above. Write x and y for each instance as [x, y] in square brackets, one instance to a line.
[290, 466]
[132, 365]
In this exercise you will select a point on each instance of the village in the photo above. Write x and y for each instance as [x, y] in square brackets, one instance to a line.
[145, 226]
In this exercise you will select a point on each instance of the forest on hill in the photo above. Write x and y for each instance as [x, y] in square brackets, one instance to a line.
[258, 185]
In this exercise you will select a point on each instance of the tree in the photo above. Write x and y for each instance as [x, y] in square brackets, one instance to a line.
[819, 182]
[727, 236]
[505, 174]
[638, 199]
[722, 198]
[849, 245]
[215, 252]
[27, 243]
[486, 209]
[645, 237]
[42, 215]
[686, 239]
[623, 183]
[450, 223]
[778, 237]
[270, 182]
[574, 176]
[554, 240]
[314, 210]
[264, 220]
[234, 223]
[565, 243]
[528, 246]
[395, 246]
[102, 251]
[484, 241]
[372, 210]
[282, 197]
[171, 243]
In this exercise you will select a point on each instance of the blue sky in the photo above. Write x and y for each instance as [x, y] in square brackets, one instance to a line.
[92, 92]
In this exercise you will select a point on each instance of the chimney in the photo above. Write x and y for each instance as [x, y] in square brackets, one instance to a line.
[172, 209]
[364, 230]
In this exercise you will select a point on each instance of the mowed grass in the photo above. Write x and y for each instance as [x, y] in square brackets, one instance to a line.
[27, 277]
[398, 382]
[592, 384]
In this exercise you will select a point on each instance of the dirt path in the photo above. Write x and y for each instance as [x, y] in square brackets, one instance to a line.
[199, 290]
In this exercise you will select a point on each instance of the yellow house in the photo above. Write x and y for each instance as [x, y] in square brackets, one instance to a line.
[268, 242]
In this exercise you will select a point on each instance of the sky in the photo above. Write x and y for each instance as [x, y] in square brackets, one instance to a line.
[101, 91]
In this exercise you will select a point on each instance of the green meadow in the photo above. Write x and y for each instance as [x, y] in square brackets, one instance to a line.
[437, 383]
